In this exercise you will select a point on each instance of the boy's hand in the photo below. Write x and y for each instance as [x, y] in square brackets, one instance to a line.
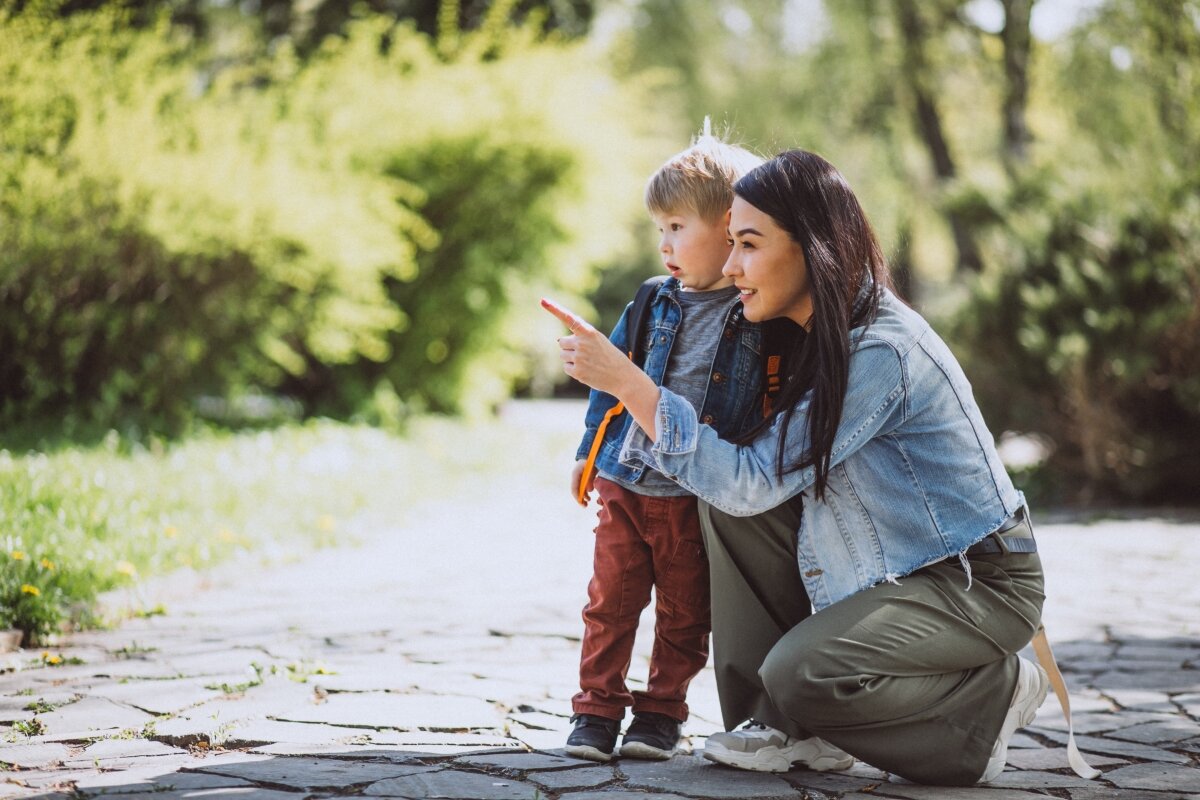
[589, 357]
[576, 477]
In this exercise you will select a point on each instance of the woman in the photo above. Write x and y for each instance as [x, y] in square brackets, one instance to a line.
[873, 491]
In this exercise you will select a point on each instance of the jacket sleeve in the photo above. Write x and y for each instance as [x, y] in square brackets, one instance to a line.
[741, 479]
[598, 402]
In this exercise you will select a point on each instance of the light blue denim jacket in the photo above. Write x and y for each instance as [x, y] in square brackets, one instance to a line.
[732, 403]
[914, 475]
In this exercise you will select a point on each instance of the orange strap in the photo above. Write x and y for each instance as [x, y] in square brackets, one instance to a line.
[590, 465]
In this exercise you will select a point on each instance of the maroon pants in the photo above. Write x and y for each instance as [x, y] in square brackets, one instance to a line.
[644, 542]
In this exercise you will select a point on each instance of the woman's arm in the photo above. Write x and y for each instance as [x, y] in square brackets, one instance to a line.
[590, 358]
[742, 479]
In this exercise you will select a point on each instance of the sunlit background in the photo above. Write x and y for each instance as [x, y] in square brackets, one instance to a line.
[223, 221]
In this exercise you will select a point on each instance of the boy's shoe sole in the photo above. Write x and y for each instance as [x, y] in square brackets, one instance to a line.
[587, 752]
[646, 751]
[814, 754]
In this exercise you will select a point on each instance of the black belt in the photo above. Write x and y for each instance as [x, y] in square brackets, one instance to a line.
[1014, 536]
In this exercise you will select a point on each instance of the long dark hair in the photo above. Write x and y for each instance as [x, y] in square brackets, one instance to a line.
[807, 197]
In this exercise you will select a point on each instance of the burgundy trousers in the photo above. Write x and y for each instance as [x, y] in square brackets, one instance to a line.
[644, 542]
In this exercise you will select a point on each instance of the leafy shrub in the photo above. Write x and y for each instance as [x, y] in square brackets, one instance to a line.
[1091, 339]
[368, 227]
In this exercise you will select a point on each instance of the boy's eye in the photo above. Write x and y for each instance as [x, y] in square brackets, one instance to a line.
[675, 226]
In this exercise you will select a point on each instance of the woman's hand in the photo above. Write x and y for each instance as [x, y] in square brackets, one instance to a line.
[590, 358]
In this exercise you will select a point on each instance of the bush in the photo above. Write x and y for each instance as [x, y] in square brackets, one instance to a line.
[365, 229]
[1091, 339]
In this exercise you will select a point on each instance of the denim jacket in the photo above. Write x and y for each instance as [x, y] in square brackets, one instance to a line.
[914, 476]
[731, 402]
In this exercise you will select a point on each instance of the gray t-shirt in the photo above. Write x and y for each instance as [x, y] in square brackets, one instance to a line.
[688, 368]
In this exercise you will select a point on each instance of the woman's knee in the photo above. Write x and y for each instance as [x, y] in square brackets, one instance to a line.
[800, 684]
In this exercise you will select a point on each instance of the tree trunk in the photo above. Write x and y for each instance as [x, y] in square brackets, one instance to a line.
[929, 125]
[1018, 43]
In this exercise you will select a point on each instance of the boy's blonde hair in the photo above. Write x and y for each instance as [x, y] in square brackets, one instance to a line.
[700, 178]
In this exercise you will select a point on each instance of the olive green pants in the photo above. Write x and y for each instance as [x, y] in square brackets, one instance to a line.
[914, 678]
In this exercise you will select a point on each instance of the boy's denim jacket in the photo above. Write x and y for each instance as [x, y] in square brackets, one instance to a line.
[732, 402]
[914, 476]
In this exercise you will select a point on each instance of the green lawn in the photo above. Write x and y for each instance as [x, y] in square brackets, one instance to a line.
[83, 520]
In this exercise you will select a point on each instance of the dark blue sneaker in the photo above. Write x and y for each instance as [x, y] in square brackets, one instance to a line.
[652, 736]
[593, 738]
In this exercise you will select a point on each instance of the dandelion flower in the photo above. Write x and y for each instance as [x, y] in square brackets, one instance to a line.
[226, 535]
[125, 568]
[170, 532]
[30, 589]
[17, 555]
[47, 564]
[326, 523]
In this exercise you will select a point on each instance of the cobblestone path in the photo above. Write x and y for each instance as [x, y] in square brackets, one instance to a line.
[438, 659]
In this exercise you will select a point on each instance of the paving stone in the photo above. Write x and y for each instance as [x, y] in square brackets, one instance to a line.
[144, 780]
[157, 696]
[914, 792]
[695, 777]
[833, 782]
[1096, 723]
[1172, 681]
[92, 713]
[266, 731]
[523, 761]
[474, 741]
[1169, 777]
[115, 752]
[249, 792]
[581, 778]
[1115, 747]
[34, 756]
[1054, 758]
[1011, 779]
[1175, 730]
[453, 783]
[403, 711]
[308, 773]
[621, 795]
[1098, 792]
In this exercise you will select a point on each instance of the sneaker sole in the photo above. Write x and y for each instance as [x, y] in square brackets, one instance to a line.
[646, 751]
[587, 752]
[1018, 717]
[774, 759]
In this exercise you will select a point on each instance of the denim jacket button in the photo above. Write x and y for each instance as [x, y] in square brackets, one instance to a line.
[709, 419]
[717, 377]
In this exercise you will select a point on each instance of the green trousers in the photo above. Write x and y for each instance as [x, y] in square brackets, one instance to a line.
[914, 678]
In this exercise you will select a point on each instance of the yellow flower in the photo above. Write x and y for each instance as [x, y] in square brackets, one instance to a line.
[47, 564]
[17, 555]
[125, 568]
[170, 532]
[28, 589]
[326, 523]
[49, 659]
[226, 535]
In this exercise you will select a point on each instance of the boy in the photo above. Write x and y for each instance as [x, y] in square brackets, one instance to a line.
[696, 342]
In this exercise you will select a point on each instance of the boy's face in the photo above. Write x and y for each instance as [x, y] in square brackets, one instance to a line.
[694, 249]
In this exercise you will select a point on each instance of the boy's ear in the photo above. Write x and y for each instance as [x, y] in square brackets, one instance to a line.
[728, 216]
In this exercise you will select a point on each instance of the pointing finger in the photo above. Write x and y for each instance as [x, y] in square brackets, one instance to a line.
[572, 320]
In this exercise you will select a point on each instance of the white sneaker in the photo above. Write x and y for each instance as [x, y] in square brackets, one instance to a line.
[1032, 686]
[757, 747]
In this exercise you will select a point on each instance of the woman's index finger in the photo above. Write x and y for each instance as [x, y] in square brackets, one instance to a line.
[576, 323]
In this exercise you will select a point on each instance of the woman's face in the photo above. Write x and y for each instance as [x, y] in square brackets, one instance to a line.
[767, 266]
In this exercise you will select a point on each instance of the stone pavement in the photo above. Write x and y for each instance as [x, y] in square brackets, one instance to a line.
[438, 659]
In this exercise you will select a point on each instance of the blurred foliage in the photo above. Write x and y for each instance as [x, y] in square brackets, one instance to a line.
[1037, 198]
[179, 219]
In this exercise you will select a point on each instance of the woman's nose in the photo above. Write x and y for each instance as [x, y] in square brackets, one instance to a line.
[732, 268]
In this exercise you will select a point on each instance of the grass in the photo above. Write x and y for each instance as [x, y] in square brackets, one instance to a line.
[79, 521]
